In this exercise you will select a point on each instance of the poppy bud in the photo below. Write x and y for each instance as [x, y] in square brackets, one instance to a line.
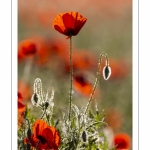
[84, 136]
[106, 72]
[29, 133]
[28, 146]
[46, 104]
[34, 99]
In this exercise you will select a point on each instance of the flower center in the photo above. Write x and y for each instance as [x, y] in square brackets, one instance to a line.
[42, 139]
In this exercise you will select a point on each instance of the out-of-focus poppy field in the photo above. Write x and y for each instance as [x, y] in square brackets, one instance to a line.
[44, 53]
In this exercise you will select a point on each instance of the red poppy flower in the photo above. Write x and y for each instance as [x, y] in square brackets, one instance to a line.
[27, 47]
[69, 23]
[82, 60]
[122, 141]
[25, 89]
[45, 136]
[21, 106]
[114, 118]
[21, 110]
[83, 86]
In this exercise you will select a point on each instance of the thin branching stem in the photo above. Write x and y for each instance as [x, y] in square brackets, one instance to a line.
[97, 78]
[71, 76]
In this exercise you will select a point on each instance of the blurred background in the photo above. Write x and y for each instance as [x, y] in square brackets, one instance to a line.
[108, 29]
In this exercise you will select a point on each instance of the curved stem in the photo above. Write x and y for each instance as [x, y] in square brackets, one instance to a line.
[97, 78]
[71, 76]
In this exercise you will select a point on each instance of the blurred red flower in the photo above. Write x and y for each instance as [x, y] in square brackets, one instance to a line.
[21, 110]
[114, 118]
[83, 86]
[82, 60]
[27, 47]
[21, 106]
[122, 141]
[69, 23]
[25, 90]
[45, 136]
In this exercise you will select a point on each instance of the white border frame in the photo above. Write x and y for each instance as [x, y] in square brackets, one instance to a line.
[11, 58]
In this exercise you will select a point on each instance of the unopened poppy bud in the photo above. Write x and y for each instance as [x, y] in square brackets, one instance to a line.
[34, 99]
[84, 136]
[106, 72]
[29, 133]
[28, 147]
[46, 104]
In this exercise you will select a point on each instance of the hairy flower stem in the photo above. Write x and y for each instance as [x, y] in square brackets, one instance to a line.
[71, 76]
[97, 79]
[43, 114]
[28, 122]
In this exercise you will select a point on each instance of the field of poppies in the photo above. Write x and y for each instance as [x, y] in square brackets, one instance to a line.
[75, 75]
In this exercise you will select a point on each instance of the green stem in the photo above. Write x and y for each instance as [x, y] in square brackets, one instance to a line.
[97, 79]
[71, 76]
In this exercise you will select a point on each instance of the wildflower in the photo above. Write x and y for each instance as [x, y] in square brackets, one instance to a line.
[21, 110]
[69, 23]
[25, 89]
[122, 141]
[44, 137]
[83, 60]
[20, 96]
[114, 119]
[21, 106]
[28, 47]
[82, 85]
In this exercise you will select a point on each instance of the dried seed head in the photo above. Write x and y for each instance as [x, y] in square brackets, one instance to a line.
[106, 72]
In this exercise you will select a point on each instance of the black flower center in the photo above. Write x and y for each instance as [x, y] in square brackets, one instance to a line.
[42, 139]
